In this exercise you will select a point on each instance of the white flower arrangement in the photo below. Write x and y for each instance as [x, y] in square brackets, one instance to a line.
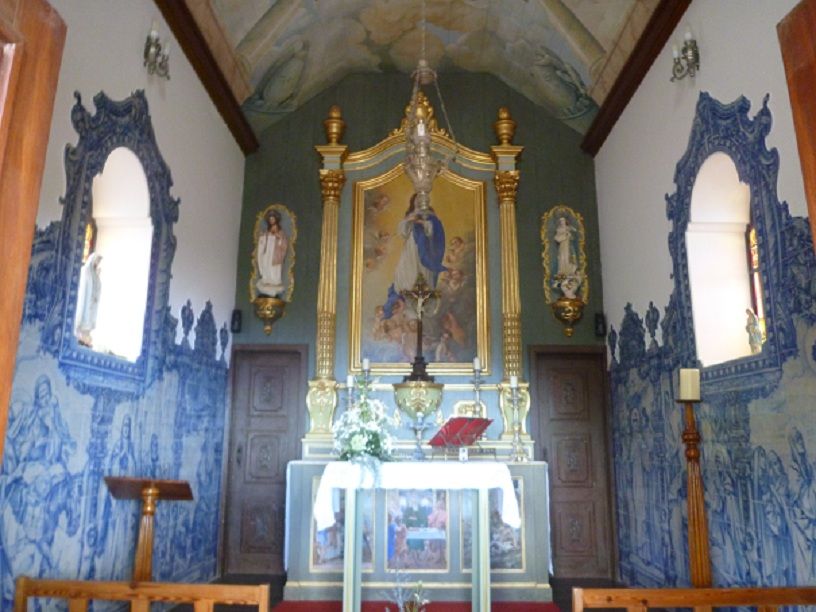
[364, 429]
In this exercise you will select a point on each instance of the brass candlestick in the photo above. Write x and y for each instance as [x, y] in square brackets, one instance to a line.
[518, 453]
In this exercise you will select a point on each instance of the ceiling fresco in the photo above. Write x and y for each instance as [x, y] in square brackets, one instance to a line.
[558, 53]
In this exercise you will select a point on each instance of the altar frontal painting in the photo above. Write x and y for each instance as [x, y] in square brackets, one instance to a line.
[417, 527]
[393, 241]
[506, 542]
[328, 544]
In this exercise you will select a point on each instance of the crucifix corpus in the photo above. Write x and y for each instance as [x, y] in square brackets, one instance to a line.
[419, 296]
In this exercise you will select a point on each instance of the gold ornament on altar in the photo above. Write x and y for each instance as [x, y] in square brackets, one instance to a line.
[418, 396]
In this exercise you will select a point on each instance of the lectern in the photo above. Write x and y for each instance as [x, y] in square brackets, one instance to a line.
[149, 490]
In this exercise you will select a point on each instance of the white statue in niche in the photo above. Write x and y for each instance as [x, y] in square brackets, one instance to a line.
[563, 237]
[754, 330]
[90, 291]
[272, 246]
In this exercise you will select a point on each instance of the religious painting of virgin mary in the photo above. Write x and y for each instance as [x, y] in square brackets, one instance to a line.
[393, 244]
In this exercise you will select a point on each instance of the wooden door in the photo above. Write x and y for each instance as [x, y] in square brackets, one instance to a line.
[32, 35]
[568, 422]
[267, 423]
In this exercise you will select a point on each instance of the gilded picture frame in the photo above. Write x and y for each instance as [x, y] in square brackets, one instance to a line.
[563, 254]
[456, 327]
[280, 278]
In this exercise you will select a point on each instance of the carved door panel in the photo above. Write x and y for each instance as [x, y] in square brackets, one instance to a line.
[569, 425]
[267, 424]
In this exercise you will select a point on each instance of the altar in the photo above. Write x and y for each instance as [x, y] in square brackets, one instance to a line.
[410, 535]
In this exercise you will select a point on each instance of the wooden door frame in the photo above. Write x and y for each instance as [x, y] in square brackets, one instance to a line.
[41, 35]
[592, 350]
[794, 33]
[303, 350]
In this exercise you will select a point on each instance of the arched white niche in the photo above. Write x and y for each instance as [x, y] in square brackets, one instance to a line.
[112, 294]
[718, 265]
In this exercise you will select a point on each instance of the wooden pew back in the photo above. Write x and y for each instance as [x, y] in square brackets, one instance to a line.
[140, 594]
[639, 600]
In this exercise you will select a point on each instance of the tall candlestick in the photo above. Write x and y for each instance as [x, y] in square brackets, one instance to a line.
[689, 385]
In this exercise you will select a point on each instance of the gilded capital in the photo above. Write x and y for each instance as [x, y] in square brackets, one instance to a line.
[507, 184]
[331, 183]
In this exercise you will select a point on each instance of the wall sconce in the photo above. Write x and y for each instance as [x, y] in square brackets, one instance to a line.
[156, 54]
[687, 59]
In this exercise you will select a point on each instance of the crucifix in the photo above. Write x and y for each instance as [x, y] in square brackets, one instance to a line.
[420, 294]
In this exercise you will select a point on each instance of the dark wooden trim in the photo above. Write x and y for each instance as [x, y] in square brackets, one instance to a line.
[795, 33]
[570, 349]
[662, 23]
[192, 42]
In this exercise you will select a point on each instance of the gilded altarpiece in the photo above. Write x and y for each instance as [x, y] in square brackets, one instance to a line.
[366, 207]
[366, 202]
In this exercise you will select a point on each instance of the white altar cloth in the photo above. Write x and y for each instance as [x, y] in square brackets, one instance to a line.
[479, 475]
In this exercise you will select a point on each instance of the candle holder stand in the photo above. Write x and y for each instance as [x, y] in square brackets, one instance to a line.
[518, 453]
[698, 544]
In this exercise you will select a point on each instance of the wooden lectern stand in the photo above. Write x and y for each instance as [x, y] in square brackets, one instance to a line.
[149, 491]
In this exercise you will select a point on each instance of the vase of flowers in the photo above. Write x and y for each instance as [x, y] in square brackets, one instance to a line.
[363, 430]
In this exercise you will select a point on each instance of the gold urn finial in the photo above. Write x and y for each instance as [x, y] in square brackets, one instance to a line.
[505, 127]
[334, 125]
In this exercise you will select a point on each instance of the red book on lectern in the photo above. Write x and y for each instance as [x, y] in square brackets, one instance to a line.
[460, 431]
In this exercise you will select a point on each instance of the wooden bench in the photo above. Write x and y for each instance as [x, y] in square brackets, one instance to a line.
[638, 600]
[140, 594]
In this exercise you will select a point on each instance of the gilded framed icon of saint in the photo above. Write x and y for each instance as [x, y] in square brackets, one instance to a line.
[393, 243]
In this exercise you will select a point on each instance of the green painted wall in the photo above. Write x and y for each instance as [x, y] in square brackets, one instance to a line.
[553, 171]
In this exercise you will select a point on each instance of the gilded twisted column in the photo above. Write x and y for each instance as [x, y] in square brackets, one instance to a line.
[321, 399]
[506, 181]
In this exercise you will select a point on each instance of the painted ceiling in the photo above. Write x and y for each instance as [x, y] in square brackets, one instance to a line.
[561, 54]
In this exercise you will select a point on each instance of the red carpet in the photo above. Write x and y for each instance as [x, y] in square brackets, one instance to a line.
[438, 606]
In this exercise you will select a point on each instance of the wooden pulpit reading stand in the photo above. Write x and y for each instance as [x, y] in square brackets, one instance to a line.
[149, 490]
